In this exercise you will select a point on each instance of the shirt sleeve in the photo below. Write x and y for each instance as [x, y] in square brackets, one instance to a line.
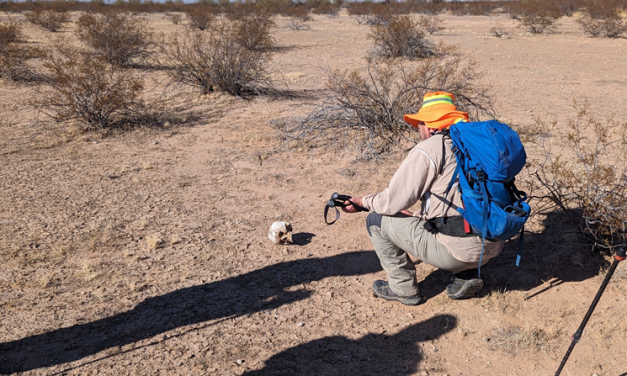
[408, 185]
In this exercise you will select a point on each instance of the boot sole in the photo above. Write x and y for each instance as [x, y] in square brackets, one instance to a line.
[468, 291]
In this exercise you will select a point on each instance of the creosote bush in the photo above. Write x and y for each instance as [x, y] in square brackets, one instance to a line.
[365, 110]
[401, 37]
[48, 19]
[15, 55]
[200, 16]
[536, 16]
[604, 22]
[252, 31]
[430, 23]
[215, 60]
[587, 175]
[117, 38]
[86, 91]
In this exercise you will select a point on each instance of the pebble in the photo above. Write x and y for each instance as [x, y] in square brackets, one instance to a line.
[239, 361]
[300, 324]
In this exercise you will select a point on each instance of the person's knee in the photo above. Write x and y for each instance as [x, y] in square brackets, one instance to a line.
[373, 219]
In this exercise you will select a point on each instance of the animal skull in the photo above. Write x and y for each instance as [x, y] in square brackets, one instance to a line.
[281, 232]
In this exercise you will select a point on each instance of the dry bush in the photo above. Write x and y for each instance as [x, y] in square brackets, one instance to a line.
[371, 13]
[48, 19]
[603, 19]
[253, 31]
[473, 8]
[401, 37]
[326, 7]
[499, 31]
[88, 92]
[365, 111]
[536, 16]
[200, 17]
[586, 175]
[299, 13]
[430, 23]
[175, 18]
[117, 38]
[214, 60]
[15, 55]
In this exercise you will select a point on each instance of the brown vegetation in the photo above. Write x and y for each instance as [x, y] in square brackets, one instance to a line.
[15, 54]
[401, 37]
[593, 184]
[367, 110]
[215, 60]
[85, 91]
[117, 38]
[536, 16]
[48, 19]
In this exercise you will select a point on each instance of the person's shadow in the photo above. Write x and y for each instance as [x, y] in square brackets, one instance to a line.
[557, 255]
[262, 289]
[372, 354]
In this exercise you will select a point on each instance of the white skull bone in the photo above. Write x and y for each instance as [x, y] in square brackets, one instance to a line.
[281, 232]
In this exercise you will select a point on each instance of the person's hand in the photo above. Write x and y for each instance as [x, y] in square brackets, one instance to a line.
[349, 208]
[407, 212]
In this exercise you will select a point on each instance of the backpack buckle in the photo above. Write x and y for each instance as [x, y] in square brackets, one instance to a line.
[480, 175]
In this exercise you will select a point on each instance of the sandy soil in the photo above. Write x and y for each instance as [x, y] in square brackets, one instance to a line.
[83, 292]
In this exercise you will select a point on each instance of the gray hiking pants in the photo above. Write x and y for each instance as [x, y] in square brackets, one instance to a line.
[394, 237]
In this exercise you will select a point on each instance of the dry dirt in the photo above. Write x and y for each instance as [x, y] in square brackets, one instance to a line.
[146, 252]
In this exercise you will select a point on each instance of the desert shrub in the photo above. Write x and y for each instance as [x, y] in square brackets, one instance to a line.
[603, 19]
[175, 18]
[371, 13]
[326, 7]
[402, 36]
[585, 174]
[15, 55]
[214, 60]
[536, 16]
[366, 111]
[200, 17]
[85, 90]
[298, 12]
[48, 19]
[499, 31]
[430, 23]
[474, 8]
[117, 38]
[252, 31]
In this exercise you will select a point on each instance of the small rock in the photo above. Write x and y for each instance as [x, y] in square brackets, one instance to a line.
[300, 324]
[239, 361]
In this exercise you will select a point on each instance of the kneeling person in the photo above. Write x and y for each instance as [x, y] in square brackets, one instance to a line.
[395, 232]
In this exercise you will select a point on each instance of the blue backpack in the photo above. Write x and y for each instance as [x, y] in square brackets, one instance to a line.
[489, 155]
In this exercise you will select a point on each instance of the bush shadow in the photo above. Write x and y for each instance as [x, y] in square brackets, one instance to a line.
[262, 289]
[372, 354]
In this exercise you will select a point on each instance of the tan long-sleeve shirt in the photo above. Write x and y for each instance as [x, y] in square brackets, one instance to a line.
[422, 178]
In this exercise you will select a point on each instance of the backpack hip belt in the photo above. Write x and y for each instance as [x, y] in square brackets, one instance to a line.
[451, 226]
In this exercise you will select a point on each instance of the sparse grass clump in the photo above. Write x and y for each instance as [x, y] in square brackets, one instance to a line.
[365, 112]
[117, 38]
[48, 19]
[217, 60]
[88, 92]
[401, 37]
[518, 338]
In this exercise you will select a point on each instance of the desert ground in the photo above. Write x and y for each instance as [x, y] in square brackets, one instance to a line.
[145, 252]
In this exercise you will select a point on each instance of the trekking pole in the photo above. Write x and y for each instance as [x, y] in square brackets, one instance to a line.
[618, 257]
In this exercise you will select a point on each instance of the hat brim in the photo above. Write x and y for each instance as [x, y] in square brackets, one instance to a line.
[432, 116]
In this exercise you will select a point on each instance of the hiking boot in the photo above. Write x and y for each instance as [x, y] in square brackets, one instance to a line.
[382, 289]
[465, 285]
